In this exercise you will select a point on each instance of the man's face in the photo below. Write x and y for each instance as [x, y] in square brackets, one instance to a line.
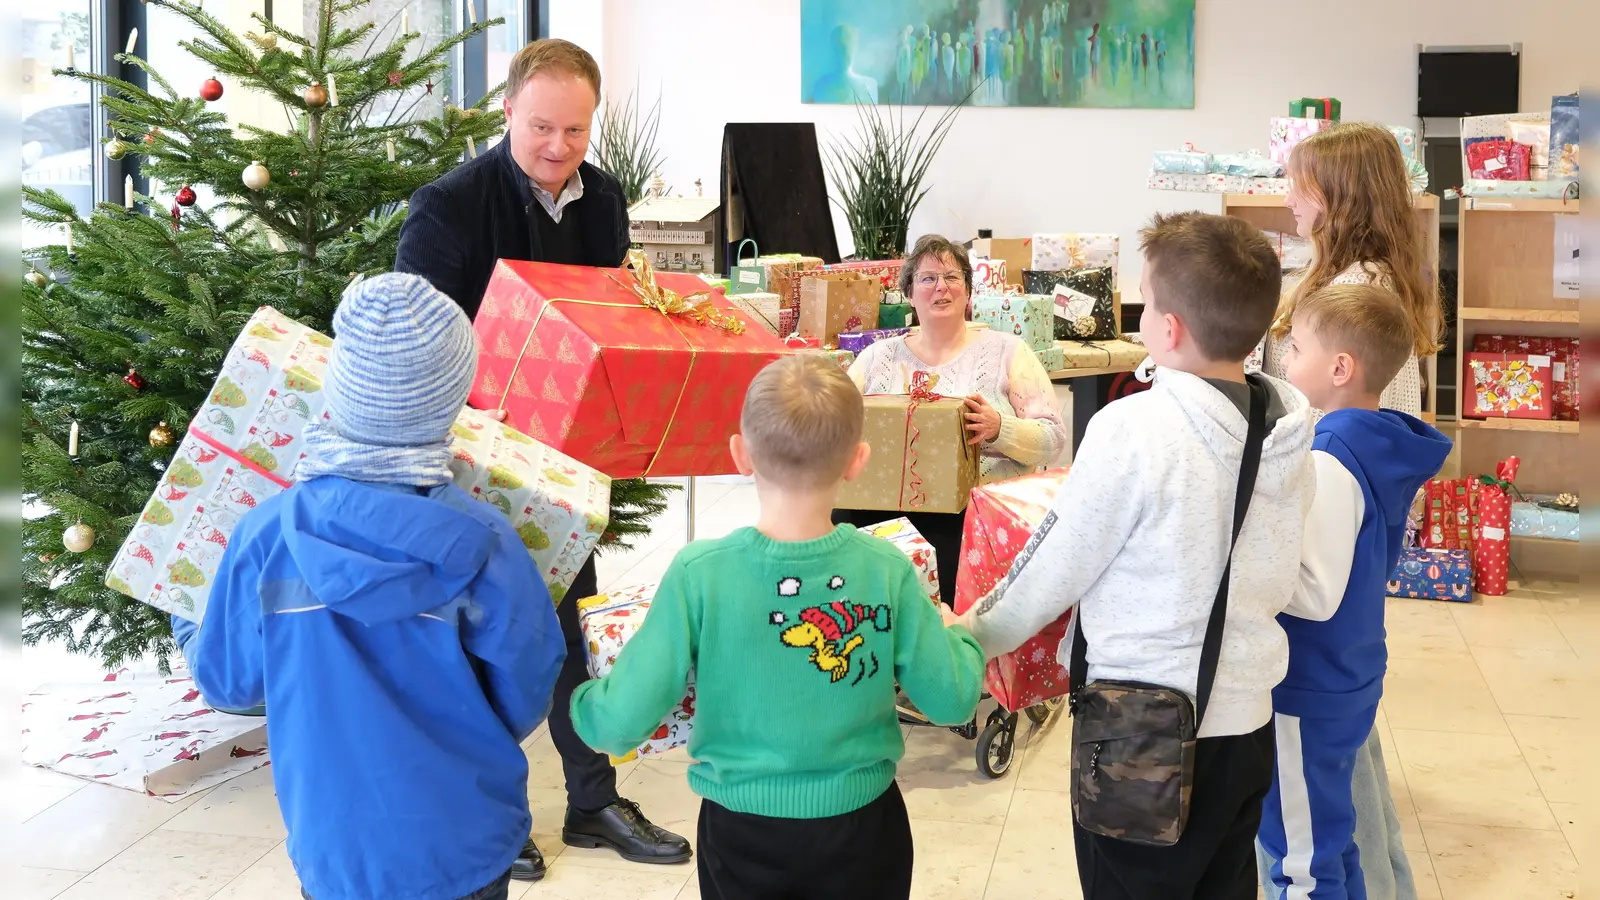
[548, 123]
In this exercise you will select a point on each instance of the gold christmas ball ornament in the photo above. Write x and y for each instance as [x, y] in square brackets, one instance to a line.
[316, 96]
[78, 539]
[162, 435]
[117, 148]
[256, 177]
[37, 278]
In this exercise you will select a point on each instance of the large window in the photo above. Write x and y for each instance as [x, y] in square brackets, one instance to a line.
[57, 120]
[432, 20]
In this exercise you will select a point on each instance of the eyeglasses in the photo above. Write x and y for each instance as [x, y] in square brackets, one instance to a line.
[952, 280]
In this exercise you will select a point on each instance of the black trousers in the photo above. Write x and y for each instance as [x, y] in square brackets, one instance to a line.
[591, 780]
[942, 530]
[864, 854]
[1216, 857]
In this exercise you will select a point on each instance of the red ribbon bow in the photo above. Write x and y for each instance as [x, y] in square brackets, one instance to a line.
[921, 391]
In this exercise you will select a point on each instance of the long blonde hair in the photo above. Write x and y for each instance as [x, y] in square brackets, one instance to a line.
[1357, 173]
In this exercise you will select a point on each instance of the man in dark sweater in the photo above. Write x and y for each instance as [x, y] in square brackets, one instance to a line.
[533, 197]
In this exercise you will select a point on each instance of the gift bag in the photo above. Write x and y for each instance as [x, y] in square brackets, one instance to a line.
[1000, 519]
[1564, 138]
[835, 302]
[921, 460]
[747, 278]
[1491, 551]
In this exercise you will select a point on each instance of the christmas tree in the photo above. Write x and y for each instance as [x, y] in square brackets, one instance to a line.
[126, 321]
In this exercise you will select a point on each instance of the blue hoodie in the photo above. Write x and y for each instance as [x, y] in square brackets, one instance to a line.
[404, 645]
[1336, 666]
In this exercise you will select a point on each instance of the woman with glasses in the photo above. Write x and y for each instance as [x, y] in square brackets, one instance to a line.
[1011, 406]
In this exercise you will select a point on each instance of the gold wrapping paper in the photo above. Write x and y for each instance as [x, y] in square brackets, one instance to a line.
[933, 474]
[836, 302]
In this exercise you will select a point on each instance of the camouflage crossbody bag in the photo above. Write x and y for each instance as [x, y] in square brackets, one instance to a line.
[1133, 743]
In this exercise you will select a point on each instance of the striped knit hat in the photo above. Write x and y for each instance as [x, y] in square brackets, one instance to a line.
[404, 357]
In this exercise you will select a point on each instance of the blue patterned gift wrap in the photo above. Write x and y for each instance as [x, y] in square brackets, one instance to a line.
[1180, 162]
[857, 341]
[1529, 519]
[1433, 575]
[1028, 316]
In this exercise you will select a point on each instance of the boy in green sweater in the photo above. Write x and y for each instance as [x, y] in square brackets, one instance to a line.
[797, 632]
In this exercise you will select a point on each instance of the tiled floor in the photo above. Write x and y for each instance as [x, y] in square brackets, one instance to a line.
[1478, 725]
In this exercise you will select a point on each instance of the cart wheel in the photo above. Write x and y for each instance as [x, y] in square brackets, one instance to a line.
[995, 745]
[1040, 713]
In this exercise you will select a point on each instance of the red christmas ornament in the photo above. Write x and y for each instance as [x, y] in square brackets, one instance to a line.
[185, 196]
[211, 90]
[429, 86]
[134, 379]
[394, 78]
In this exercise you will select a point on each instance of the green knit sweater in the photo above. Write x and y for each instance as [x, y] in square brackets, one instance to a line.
[796, 648]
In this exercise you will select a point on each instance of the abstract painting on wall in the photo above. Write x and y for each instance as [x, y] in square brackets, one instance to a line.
[1107, 53]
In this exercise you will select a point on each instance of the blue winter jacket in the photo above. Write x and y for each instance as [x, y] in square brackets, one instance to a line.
[1336, 667]
[404, 645]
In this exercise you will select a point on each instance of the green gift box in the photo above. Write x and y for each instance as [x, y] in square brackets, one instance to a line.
[894, 315]
[1315, 108]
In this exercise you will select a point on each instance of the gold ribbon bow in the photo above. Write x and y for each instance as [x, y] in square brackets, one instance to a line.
[696, 307]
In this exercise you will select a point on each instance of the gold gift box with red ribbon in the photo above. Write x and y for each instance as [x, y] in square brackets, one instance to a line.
[626, 370]
[921, 461]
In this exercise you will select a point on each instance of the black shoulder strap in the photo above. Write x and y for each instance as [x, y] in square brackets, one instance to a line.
[1211, 648]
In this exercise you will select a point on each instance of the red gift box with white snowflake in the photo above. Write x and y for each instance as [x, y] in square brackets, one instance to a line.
[1000, 519]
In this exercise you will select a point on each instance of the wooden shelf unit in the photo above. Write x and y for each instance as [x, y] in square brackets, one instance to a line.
[1507, 286]
[1267, 212]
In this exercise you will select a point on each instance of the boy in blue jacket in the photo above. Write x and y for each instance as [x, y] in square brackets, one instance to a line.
[396, 629]
[1348, 341]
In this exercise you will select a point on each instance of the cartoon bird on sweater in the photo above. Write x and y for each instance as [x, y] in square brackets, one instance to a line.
[830, 630]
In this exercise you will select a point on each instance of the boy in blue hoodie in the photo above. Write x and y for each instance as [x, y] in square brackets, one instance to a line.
[396, 629]
[1348, 341]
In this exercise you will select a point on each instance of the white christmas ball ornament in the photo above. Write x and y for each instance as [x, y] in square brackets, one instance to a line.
[256, 176]
[78, 538]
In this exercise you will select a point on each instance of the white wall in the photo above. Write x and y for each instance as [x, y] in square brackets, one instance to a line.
[1023, 170]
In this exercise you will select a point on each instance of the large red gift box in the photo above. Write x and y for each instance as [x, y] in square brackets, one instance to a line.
[1000, 519]
[1564, 355]
[628, 371]
[1509, 385]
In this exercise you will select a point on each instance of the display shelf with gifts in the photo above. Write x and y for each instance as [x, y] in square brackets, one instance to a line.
[1515, 314]
[1268, 212]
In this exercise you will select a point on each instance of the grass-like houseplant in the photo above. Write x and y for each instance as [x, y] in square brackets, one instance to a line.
[878, 173]
[625, 145]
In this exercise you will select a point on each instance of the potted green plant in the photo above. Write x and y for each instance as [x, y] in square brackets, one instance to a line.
[625, 145]
[878, 173]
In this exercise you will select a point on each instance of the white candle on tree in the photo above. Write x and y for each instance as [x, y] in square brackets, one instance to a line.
[388, 145]
[333, 91]
[72, 58]
[472, 12]
[127, 191]
[405, 21]
[133, 38]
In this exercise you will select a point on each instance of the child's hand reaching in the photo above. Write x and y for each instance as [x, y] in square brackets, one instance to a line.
[948, 615]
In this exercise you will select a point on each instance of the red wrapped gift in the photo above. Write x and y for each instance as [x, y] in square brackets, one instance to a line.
[627, 371]
[1501, 160]
[1509, 385]
[1000, 519]
[1563, 353]
[1451, 514]
[1491, 552]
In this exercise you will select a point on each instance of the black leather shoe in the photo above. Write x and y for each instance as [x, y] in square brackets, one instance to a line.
[623, 828]
[530, 863]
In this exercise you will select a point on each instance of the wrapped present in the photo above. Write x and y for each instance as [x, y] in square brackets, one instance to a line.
[1509, 385]
[1432, 575]
[1187, 161]
[921, 460]
[895, 315]
[1063, 252]
[1287, 131]
[1498, 160]
[598, 363]
[1123, 355]
[1162, 181]
[608, 621]
[1564, 138]
[843, 358]
[1000, 519]
[834, 302]
[1053, 358]
[1251, 164]
[1451, 514]
[988, 275]
[1491, 547]
[152, 734]
[783, 271]
[801, 342]
[857, 341]
[788, 320]
[242, 447]
[763, 308]
[1538, 515]
[909, 541]
[1533, 190]
[1315, 108]
[1564, 353]
[1407, 138]
[716, 283]
[559, 506]
[1081, 300]
[887, 271]
[1028, 316]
